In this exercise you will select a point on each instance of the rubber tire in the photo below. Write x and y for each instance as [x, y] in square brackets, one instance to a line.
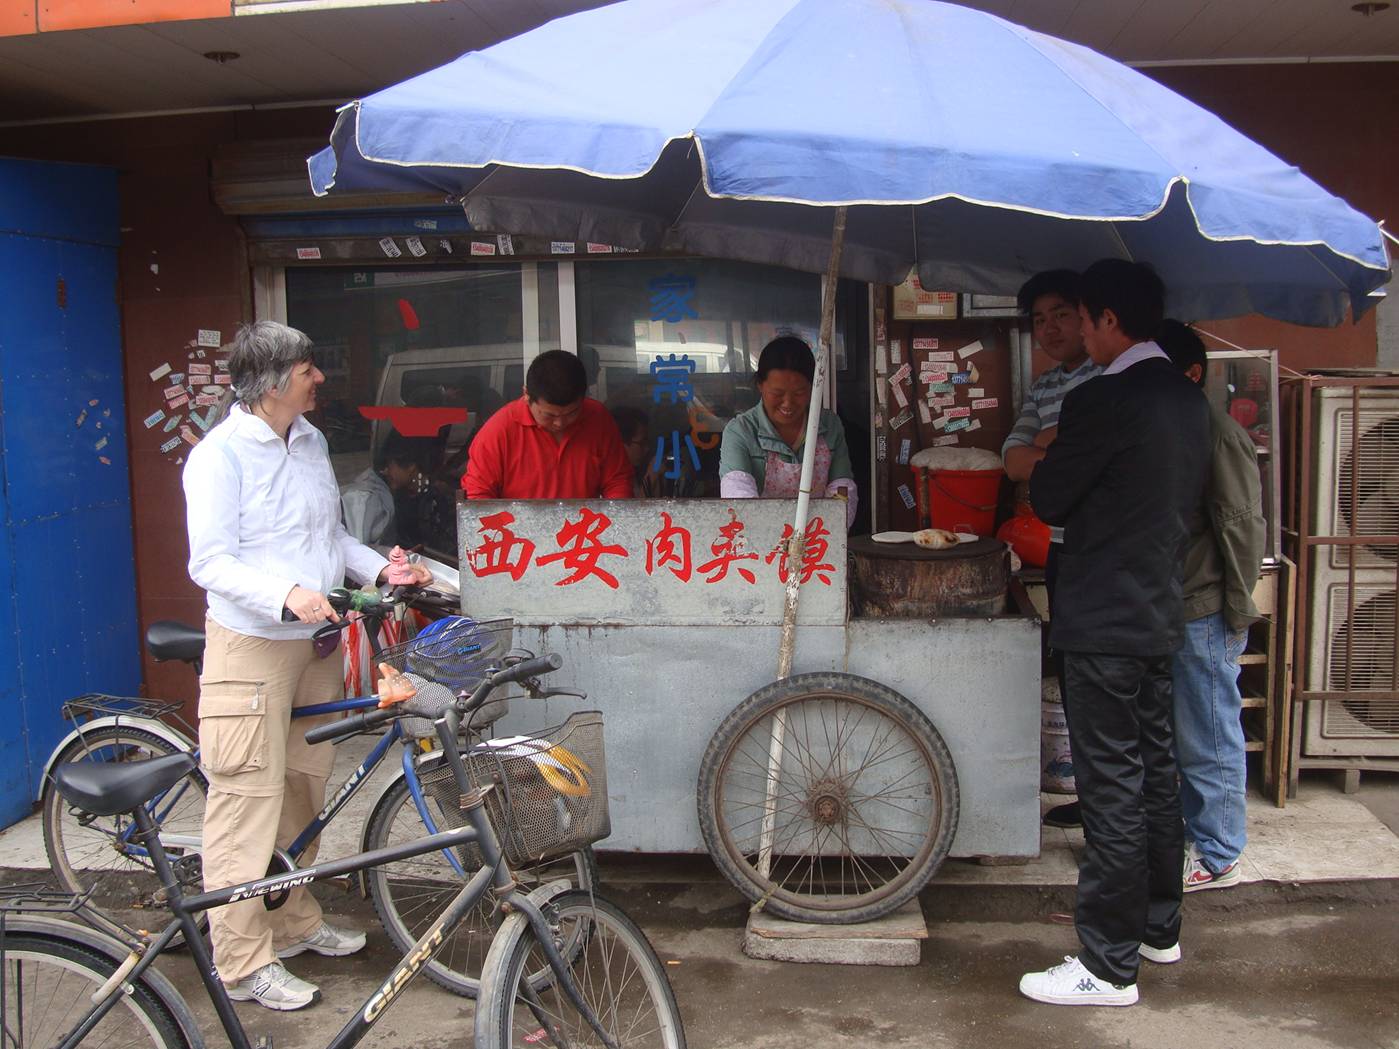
[163, 1029]
[793, 690]
[54, 808]
[445, 970]
[511, 950]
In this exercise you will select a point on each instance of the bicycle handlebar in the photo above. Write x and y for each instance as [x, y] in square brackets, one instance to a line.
[545, 664]
[351, 726]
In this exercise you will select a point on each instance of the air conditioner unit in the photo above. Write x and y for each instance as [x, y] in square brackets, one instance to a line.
[1351, 644]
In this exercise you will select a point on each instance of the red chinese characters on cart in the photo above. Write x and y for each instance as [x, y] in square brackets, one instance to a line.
[582, 550]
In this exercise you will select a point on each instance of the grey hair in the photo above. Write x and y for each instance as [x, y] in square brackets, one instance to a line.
[262, 359]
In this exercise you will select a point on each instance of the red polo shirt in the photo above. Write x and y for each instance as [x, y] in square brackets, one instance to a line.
[512, 458]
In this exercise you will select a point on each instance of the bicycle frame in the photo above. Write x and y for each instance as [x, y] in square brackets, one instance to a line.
[495, 874]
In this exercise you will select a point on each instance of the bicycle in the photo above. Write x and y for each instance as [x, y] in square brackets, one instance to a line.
[100, 856]
[564, 965]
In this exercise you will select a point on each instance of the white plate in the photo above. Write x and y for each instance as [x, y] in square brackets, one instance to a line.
[907, 537]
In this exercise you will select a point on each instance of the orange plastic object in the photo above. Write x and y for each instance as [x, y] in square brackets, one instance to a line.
[1027, 535]
[1244, 410]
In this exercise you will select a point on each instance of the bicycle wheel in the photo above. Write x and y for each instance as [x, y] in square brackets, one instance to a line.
[613, 965]
[99, 853]
[841, 819]
[409, 895]
[48, 984]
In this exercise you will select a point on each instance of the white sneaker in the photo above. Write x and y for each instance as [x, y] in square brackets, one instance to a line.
[1161, 955]
[327, 940]
[1197, 876]
[1072, 984]
[274, 988]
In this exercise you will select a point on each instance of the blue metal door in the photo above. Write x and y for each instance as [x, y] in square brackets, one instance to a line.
[67, 580]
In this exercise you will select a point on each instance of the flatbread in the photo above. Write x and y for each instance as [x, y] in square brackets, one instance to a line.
[935, 539]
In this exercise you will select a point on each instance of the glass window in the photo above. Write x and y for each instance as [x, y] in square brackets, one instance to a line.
[714, 317]
[421, 338]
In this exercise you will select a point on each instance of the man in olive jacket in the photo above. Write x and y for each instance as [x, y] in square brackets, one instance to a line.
[1221, 570]
[1124, 479]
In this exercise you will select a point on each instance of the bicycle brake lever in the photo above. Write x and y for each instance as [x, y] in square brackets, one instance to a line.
[550, 693]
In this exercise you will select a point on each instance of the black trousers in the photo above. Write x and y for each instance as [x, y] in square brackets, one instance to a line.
[1118, 710]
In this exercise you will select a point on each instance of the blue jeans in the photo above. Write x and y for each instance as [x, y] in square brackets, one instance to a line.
[1209, 741]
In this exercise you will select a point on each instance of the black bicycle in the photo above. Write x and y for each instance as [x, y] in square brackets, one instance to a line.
[565, 967]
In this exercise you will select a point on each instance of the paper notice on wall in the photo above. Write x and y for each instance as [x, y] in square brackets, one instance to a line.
[153, 418]
[932, 378]
[308, 254]
[939, 388]
[900, 398]
[975, 424]
[160, 373]
[172, 422]
[881, 394]
[561, 247]
[178, 402]
[898, 420]
[209, 337]
[881, 447]
[896, 351]
[976, 392]
[941, 402]
[906, 495]
[206, 400]
[202, 421]
[925, 415]
[424, 223]
[482, 247]
[969, 349]
[100, 444]
[599, 249]
[945, 440]
[415, 246]
[961, 378]
[958, 413]
[390, 247]
[221, 363]
[881, 360]
[940, 422]
[223, 380]
[170, 445]
[505, 243]
[942, 357]
[171, 392]
[905, 450]
[901, 375]
[189, 435]
[445, 246]
[200, 372]
[984, 402]
[925, 344]
[958, 424]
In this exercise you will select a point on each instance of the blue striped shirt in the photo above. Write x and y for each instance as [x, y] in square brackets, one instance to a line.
[1043, 401]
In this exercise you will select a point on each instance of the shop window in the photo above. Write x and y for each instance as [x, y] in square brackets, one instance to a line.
[425, 338]
[714, 318]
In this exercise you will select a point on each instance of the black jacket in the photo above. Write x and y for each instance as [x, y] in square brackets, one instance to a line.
[1124, 478]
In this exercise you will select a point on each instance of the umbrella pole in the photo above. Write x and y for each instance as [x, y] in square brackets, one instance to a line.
[796, 544]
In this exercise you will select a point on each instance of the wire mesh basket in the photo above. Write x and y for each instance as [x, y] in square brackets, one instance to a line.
[551, 790]
[457, 651]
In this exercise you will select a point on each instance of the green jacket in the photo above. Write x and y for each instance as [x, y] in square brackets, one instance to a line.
[1225, 555]
[750, 436]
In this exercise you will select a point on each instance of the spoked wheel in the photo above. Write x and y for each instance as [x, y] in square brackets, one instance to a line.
[100, 853]
[47, 988]
[613, 966]
[409, 895]
[828, 797]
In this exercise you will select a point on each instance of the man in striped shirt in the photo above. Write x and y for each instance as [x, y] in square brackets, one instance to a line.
[1050, 299]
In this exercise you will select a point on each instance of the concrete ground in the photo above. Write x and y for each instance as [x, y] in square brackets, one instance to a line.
[1304, 954]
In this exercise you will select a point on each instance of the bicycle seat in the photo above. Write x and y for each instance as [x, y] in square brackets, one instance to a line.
[167, 639]
[106, 788]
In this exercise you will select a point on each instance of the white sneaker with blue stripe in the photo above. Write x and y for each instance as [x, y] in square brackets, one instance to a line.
[1072, 984]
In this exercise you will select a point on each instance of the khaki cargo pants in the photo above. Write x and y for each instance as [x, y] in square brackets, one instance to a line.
[265, 783]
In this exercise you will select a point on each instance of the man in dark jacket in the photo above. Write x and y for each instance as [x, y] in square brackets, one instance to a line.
[1221, 570]
[1124, 479]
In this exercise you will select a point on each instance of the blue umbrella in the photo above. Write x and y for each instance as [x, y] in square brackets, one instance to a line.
[962, 144]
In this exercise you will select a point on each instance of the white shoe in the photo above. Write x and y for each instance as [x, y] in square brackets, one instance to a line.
[273, 987]
[1072, 984]
[327, 940]
[1161, 955]
[1197, 876]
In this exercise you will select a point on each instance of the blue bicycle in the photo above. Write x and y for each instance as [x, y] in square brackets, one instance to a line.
[101, 854]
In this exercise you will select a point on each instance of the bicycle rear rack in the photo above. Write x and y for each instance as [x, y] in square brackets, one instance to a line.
[95, 704]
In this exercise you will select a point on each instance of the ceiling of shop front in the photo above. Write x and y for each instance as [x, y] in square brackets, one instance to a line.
[349, 51]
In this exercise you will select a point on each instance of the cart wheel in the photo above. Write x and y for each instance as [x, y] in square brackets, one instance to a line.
[828, 798]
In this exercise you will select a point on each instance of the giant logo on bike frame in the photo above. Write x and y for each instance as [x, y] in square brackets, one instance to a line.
[652, 561]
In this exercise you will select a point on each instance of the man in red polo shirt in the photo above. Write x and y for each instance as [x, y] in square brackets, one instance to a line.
[555, 442]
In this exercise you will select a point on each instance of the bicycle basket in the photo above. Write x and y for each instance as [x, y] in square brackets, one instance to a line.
[551, 790]
[456, 652]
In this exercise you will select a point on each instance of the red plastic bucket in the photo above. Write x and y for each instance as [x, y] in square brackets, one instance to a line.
[964, 500]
